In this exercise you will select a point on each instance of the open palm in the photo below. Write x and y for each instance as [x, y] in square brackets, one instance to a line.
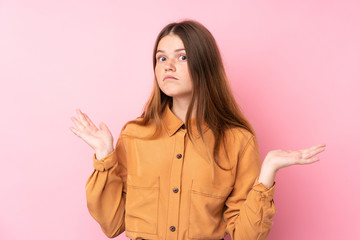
[100, 139]
[284, 158]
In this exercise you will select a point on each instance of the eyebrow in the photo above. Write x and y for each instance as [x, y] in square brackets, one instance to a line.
[176, 50]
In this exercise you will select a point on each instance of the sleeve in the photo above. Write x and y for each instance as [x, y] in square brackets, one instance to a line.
[106, 190]
[250, 206]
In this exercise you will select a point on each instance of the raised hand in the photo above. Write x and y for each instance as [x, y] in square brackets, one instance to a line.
[277, 159]
[100, 139]
[284, 158]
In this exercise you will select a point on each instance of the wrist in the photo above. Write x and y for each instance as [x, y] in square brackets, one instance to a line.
[269, 165]
[100, 154]
[267, 174]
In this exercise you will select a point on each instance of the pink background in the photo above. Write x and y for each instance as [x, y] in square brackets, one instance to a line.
[293, 65]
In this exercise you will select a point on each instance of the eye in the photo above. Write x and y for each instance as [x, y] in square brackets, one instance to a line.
[183, 57]
[161, 59]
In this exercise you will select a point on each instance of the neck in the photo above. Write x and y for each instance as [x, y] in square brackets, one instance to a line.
[180, 107]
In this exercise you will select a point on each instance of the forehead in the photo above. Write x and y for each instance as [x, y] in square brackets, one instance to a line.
[170, 43]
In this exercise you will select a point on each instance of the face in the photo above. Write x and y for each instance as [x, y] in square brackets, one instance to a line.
[171, 69]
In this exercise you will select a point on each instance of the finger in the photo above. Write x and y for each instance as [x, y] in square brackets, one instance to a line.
[311, 153]
[82, 117]
[308, 161]
[103, 126]
[89, 121]
[76, 132]
[314, 147]
[77, 123]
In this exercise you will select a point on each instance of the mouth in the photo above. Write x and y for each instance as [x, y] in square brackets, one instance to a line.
[169, 78]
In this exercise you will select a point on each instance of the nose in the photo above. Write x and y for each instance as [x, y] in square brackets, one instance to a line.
[169, 65]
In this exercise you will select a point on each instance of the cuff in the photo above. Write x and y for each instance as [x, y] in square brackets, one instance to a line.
[265, 194]
[105, 163]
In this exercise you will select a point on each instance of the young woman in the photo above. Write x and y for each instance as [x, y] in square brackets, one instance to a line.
[189, 167]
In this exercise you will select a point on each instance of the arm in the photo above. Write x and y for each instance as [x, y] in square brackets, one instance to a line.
[250, 206]
[250, 217]
[106, 190]
[277, 159]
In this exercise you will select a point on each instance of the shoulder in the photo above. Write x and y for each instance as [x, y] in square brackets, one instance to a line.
[133, 128]
[238, 135]
[240, 139]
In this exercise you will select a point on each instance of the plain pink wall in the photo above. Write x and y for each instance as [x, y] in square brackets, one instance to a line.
[293, 65]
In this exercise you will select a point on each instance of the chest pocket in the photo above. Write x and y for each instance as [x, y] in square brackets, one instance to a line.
[206, 210]
[142, 204]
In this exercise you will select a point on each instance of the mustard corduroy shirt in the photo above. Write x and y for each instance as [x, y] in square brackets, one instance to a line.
[163, 189]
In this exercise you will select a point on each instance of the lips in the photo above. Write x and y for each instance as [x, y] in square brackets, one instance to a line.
[169, 78]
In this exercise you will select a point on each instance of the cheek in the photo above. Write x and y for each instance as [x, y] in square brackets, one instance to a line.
[187, 74]
[186, 71]
[157, 75]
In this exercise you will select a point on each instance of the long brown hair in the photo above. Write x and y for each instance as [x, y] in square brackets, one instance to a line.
[215, 103]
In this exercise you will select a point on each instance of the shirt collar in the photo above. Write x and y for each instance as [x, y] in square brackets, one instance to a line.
[172, 123]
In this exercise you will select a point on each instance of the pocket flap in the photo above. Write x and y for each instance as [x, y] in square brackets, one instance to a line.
[143, 181]
[210, 190]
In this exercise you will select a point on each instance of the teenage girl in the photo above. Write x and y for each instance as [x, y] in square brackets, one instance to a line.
[189, 167]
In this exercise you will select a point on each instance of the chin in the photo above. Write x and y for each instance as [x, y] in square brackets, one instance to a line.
[175, 93]
[170, 93]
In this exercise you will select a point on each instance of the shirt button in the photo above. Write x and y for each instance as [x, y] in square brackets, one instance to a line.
[172, 228]
[175, 190]
[179, 156]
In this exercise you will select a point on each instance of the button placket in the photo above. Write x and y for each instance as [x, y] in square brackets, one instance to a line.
[175, 183]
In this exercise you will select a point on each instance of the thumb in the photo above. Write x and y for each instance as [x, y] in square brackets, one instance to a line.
[103, 126]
